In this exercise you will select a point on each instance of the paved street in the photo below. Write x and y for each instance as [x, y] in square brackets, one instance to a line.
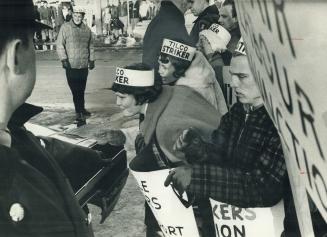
[52, 92]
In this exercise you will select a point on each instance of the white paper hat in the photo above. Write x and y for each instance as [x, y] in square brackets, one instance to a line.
[136, 78]
[178, 49]
[217, 36]
[240, 48]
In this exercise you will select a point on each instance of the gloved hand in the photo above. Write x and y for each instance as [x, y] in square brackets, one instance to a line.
[113, 137]
[65, 64]
[91, 65]
[180, 178]
[192, 145]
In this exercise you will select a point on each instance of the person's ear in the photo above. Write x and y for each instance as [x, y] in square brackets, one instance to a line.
[15, 56]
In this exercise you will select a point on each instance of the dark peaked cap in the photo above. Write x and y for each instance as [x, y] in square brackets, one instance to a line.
[19, 13]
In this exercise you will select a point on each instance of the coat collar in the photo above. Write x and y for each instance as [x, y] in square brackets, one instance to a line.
[81, 26]
[24, 113]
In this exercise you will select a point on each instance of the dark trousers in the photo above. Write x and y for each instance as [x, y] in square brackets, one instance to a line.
[76, 79]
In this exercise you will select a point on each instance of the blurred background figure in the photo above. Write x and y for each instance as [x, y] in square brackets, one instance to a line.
[45, 16]
[106, 16]
[38, 32]
[134, 15]
[144, 10]
[122, 12]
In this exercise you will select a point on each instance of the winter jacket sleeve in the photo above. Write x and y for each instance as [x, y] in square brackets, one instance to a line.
[214, 152]
[91, 47]
[61, 43]
[260, 187]
[7, 168]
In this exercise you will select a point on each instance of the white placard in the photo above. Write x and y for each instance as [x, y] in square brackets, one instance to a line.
[247, 222]
[173, 217]
[288, 59]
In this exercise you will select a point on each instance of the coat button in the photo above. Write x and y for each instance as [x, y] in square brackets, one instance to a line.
[16, 212]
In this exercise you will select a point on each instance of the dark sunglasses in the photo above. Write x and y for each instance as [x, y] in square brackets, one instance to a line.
[163, 59]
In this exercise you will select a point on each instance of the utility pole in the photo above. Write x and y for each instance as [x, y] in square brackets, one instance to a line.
[98, 16]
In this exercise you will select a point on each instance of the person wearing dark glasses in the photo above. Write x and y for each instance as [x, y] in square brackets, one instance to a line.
[182, 65]
[168, 23]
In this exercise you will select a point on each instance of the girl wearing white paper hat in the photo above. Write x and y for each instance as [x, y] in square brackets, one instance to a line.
[134, 88]
[181, 64]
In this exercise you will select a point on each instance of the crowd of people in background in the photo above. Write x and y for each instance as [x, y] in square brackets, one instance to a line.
[54, 14]
[114, 19]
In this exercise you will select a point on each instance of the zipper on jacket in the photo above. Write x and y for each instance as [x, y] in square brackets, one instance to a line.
[241, 133]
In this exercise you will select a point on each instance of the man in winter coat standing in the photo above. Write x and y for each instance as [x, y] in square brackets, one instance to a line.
[168, 23]
[76, 52]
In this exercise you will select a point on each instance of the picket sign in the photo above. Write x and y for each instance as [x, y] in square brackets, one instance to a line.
[173, 217]
[288, 60]
[176, 220]
[234, 221]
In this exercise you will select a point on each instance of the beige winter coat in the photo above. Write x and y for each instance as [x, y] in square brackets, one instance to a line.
[201, 77]
[75, 43]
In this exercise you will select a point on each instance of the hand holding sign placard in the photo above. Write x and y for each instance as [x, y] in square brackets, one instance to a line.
[173, 217]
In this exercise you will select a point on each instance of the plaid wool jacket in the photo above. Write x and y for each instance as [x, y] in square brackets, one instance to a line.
[245, 164]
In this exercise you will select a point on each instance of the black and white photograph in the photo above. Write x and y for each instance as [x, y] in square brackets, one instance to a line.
[163, 118]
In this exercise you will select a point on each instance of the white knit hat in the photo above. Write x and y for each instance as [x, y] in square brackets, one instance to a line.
[79, 9]
[178, 49]
[137, 78]
[217, 36]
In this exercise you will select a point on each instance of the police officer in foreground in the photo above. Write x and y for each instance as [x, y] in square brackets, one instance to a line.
[36, 198]
[76, 52]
